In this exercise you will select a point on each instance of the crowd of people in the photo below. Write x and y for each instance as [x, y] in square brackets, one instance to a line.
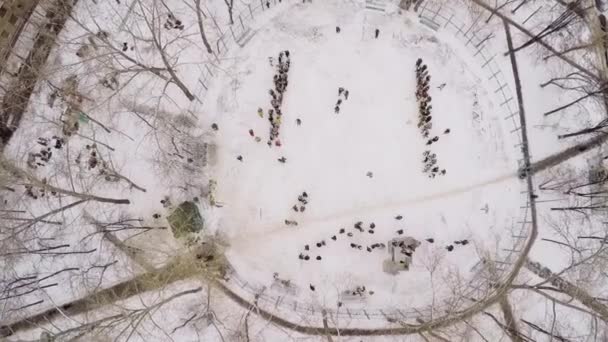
[44, 156]
[302, 202]
[357, 226]
[425, 119]
[173, 23]
[280, 85]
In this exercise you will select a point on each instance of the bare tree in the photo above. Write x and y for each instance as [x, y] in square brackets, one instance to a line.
[230, 6]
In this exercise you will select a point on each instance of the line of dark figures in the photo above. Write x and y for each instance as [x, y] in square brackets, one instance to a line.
[341, 91]
[405, 248]
[425, 119]
[280, 85]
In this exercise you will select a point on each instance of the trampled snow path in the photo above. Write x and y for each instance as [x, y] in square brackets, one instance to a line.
[249, 238]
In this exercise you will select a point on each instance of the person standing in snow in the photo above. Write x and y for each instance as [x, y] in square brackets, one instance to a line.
[377, 33]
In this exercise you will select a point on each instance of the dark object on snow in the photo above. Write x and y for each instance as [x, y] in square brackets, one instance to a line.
[337, 109]
[319, 244]
[337, 29]
[295, 208]
[306, 257]
[349, 234]
[352, 245]
[318, 257]
[371, 231]
[447, 131]
[304, 194]
[301, 256]
[369, 174]
[251, 132]
[342, 230]
[340, 91]
[239, 158]
[377, 33]
[369, 249]
[464, 242]
[398, 217]
[156, 216]
[358, 225]
[185, 219]
[282, 160]
[372, 225]
[418, 62]
[312, 288]
[450, 248]
[346, 94]
[214, 127]
[306, 247]
[302, 208]
[334, 238]
[400, 231]
[124, 47]
[431, 240]
[298, 122]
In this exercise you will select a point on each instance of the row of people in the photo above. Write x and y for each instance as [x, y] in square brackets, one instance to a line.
[280, 85]
[425, 118]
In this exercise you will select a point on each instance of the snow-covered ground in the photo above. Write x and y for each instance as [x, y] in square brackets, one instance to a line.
[329, 156]
[363, 164]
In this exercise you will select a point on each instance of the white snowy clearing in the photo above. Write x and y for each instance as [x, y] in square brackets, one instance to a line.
[329, 155]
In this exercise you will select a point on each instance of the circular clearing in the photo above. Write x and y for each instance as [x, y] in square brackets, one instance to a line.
[363, 164]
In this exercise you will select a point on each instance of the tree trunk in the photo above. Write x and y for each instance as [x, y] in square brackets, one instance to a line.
[200, 26]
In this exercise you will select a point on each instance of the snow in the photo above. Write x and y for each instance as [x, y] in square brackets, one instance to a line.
[329, 155]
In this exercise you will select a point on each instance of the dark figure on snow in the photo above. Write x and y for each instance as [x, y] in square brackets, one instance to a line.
[346, 94]
[418, 62]
[239, 158]
[337, 29]
[377, 33]
[337, 109]
[447, 131]
[267, 4]
[298, 122]
[340, 91]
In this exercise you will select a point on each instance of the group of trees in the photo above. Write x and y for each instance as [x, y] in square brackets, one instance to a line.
[131, 66]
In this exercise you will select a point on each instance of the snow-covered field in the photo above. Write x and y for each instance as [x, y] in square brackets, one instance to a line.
[361, 167]
[329, 155]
